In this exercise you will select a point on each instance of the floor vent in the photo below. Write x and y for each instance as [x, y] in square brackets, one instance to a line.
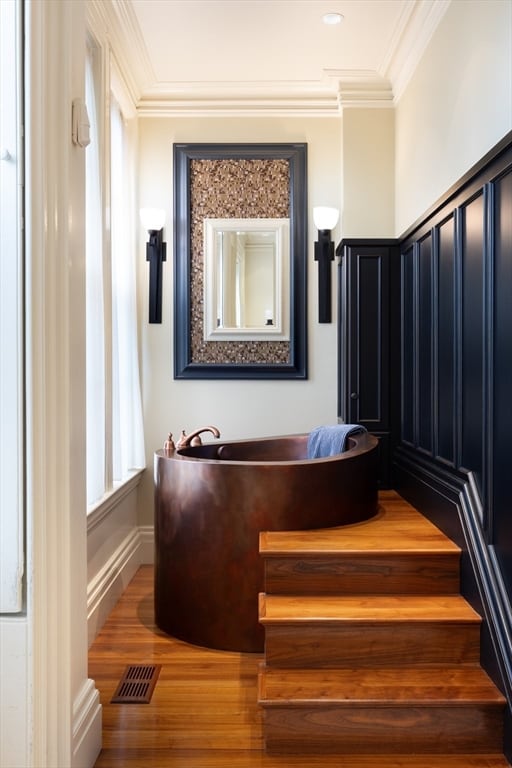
[137, 684]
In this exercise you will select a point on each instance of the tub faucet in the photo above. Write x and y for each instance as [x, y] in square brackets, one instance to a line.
[194, 439]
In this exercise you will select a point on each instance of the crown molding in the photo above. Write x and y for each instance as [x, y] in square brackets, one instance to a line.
[361, 88]
[414, 32]
[261, 107]
[114, 22]
[327, 97]
[186, 99]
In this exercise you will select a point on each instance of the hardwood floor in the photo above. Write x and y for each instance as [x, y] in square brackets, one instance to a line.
[204, 710]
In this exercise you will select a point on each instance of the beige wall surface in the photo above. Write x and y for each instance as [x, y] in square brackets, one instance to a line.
[238, 408]
[457, 105]
[368, 172]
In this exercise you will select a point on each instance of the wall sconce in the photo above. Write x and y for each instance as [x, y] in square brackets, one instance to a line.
[325, 220]
[156, 252]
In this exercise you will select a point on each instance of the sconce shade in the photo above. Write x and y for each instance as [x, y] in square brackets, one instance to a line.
[325, 218]
[152, 219]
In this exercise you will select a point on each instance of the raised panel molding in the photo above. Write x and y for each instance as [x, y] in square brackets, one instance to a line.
[444, 339]
[452, 501]
[456, 381]
[367, 320]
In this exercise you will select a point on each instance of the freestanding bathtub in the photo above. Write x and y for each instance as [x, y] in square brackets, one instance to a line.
[212, 501]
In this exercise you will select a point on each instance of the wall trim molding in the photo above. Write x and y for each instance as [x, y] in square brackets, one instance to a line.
[424, 483]
[489, 581]
[86, 723]
[147, 544]
[413, 35]
[112, 499]
[106, 587]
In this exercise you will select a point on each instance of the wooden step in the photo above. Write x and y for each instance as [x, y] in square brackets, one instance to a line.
[374, 631]
[399, 550]
[356, 687]
[371, 655]
[377, 760]
[401, 710]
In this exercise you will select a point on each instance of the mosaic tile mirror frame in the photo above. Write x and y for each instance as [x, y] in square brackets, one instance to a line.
[237, 181]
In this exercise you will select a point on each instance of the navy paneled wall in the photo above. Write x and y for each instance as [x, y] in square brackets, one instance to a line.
[457, 342]
[456, 364]
[500, 384]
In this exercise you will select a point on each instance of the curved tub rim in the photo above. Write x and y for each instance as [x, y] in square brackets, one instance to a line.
[359, 443]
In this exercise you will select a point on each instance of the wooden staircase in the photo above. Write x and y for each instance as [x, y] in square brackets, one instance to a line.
[371, 651]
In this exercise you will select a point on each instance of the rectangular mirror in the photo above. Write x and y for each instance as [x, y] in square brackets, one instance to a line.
[242, 318]
[246, 287]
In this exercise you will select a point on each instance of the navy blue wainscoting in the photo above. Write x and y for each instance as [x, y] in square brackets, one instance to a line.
[454, 458]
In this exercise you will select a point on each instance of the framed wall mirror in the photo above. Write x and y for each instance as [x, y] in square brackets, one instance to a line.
[246, 279]
[240, 261]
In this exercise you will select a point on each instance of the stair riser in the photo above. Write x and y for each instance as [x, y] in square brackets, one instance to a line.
[394, 730]
[400, 574]
[371, 645]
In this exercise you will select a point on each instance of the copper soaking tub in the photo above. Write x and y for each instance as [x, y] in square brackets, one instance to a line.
[212, 501]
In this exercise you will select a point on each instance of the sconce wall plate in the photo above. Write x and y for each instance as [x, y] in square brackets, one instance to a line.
[156, 252]
[325, 219]
[324, 254]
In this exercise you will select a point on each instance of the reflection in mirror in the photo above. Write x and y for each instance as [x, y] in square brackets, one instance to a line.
[246, 285]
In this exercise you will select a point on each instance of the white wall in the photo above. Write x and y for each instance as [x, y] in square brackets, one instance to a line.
[457, 105]
[237, 408]
[368, 172]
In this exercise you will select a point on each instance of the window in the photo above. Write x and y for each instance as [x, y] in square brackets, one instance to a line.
[127, 431]
[11, 305]
[114, 411]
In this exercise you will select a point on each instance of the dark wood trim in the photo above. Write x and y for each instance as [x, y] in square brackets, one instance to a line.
[184, 368]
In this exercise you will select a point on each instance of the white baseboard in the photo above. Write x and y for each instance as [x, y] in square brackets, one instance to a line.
[147, 544]
[87, 724]
[107, 586]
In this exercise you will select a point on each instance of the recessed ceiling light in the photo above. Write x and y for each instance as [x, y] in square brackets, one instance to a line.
[332, 18]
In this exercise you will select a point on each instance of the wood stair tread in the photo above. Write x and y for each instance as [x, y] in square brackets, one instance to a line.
[370, 687]
[361, 609]
[381, 760]
[371, 653]
[397, 527]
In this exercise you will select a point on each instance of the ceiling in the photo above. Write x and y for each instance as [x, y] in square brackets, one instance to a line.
[267, 56]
